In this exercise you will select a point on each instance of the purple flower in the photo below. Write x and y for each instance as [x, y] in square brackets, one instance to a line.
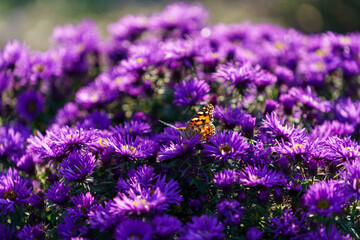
[69, 228]
[133, 229]
[341, 150]
[191, 92]
[230, 211]
[231, 117]
[182, 148]
[12, 55]
[332, 128]
[5, 80]
[288, 225]
[327, 233]
[139, 199]
[348, 111]
[101, 218]
[239, 75]
[309, 99]
[12, 141]
[77, 166]
[276, 128]
[181, 18]
[58, 192]
[132, 128]
[325, 198]
[67, 115]
[253, 234]
[29, 104]
[204, 227]
[225, 179]
[6, 232]
[96, 119]
[297, 149]
[13, 191]
[60, 142]
[28, 232]
[351, 176]
[284, 74]
[166, 226]
[254, 176]
[225, 146]
[27, 162]
[271, 105]
[129, 27]
[83, 205]
[130, 148]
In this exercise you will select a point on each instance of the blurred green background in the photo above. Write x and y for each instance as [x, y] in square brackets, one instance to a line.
[32, 21]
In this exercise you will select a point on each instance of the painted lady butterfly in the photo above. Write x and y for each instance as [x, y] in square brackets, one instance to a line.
[201, 123]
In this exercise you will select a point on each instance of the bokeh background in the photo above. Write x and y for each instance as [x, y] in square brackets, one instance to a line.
[32, 21]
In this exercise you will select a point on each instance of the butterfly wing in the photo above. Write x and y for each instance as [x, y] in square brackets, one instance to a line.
[201, 122]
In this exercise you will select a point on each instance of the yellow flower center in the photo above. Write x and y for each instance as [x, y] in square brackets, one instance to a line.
[279, 45]
[323, 204]
[140, 201]
[102, 142]
[225, 148]
[11, 195]
[38, 67]
[131, 148]
[297, 146]
[31, 106]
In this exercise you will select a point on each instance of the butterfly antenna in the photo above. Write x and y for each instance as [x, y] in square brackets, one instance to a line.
[167, 124]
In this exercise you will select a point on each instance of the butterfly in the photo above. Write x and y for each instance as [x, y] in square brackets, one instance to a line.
[201, 123]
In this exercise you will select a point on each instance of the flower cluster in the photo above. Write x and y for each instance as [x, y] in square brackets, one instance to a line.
[83, 154]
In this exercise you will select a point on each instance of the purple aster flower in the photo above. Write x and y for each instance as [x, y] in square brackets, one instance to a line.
[327, 233]
[12, 140]
[271, 105]
[96, 119]
[182, 148]
[309, 99]
[60, 142]
[325, 198]
[129, 27]
[348, 111]
[231, 117]
[13, 191]
[169, 135]
[101, 218]
[58, 192]
[37, 201]
[254, 176]
[239, 75]
[139, 199]
[225, 145]
[351, 176]
[70, 228]
[166, 226]
[332, 128]
[132, 128]
[180, 18]
[84, 204]
[191, 92]
[288, 225]
[204, 227]
[130, 148]
[29, 104]
[264, 78]
[143, 175]
[284, 74]
[6, 232]
[44, 66]
[133, 229]
[341, 150]
[254, 234]
[225, 179]
[12, 55]
[67, 115]
[288, 102]
[230, 211]
[28, 232]
[5, 80]
[27, 162]
[276, 127]
[98, 93]
[77, 166]
[297, 149]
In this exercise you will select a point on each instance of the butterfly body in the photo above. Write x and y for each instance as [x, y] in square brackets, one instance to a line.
[201, 123]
